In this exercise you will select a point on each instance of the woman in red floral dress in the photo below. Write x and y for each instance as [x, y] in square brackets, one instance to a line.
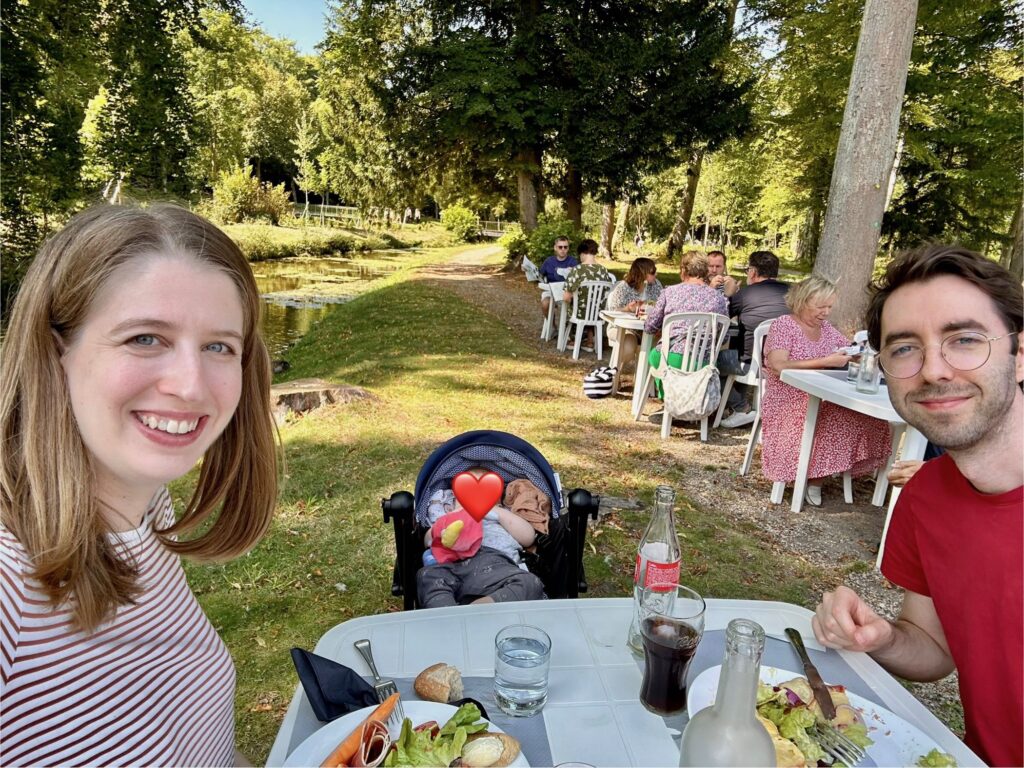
[844, 440]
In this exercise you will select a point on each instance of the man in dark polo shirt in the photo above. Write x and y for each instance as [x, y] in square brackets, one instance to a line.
[762, 298]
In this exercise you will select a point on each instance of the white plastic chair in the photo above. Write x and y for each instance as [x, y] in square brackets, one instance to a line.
[596, 291]
[752, 378]
[704, 335]
[554, 292]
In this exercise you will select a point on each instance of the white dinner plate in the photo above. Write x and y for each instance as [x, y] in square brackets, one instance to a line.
[315, 749]
[897, 742]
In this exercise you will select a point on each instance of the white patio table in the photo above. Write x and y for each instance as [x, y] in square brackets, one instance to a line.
[629, 321]
[832, 386]
[556, 291]
[593, 714]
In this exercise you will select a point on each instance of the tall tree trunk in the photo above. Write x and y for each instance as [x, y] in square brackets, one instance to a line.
[1013, 251]
[685, 210]
[528, 165]
[607, 230]
[574, 197]
[620, 223]
[864, 156]
[808, 236]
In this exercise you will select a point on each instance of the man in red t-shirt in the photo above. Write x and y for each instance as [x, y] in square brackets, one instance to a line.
[949, 326]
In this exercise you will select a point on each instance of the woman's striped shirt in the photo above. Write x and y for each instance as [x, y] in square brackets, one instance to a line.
[154, 686]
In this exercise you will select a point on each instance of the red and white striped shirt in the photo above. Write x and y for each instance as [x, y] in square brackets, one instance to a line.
[154, 686]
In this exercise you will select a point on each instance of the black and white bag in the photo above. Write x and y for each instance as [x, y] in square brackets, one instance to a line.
[599, 382]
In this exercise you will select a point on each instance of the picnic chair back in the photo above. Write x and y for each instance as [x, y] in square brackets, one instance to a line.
[752, 378]
[703, 335]
[558, 561]
[593, 294]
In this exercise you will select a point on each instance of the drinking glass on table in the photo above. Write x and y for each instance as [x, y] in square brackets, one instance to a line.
[672, 624]
[522, 658]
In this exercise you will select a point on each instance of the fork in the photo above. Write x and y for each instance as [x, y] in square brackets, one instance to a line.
[838, 745]
[383, 687]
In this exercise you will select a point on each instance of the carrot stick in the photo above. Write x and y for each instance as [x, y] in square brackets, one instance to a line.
[344, 752]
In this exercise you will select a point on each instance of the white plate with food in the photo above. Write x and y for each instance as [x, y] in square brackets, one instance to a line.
[896, 742]
[315, 749]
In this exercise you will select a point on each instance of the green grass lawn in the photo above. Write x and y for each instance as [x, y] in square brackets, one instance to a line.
[438, 366]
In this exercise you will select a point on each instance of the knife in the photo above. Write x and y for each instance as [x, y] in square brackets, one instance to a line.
[821, 694]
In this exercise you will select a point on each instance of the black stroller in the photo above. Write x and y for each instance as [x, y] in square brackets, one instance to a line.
[558, 560]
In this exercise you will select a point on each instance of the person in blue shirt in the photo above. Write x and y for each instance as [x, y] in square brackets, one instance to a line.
[560, 259]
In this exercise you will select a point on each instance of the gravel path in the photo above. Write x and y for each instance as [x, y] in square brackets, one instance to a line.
[834, 537]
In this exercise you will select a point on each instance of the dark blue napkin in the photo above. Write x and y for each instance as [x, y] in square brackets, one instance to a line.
[333, 689]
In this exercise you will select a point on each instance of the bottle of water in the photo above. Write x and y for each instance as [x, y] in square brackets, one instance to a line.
[657, 559]
[727, 733]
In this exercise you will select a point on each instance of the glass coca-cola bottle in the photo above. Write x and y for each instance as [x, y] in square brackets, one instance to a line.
[727, 733]
[657, 559]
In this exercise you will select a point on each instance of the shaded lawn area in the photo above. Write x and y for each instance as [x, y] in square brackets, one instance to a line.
[439, 367]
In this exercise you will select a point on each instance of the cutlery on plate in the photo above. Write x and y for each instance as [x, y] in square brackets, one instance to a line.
[838, 745]
[384, 687]
[821, 694]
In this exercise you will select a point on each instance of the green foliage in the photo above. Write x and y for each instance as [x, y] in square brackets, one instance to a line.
[515, 242]
[550, 227]
[238, 195]
[461, 222]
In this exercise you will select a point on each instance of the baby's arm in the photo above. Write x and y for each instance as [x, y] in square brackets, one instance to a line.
[521, 530]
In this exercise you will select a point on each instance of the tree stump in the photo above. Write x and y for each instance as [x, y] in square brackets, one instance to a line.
[304, 395]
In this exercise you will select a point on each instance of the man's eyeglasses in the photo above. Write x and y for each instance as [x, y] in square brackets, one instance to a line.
[962, 351]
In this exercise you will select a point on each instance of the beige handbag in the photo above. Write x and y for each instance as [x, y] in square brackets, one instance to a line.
[690, 395]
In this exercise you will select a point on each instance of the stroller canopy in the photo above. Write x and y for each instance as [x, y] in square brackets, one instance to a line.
[505, 454]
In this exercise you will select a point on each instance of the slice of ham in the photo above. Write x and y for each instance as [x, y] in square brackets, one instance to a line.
[374, 744]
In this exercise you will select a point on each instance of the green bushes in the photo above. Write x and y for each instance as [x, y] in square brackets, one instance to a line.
[238, 195]
[515, 243]
[543, 237]
[461, 222]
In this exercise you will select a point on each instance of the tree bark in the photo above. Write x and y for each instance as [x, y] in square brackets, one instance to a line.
[1013, 251]
[865, 154]
[620, 224]
[604, 250]
[528, 165]
[682, 225]
[574, 197]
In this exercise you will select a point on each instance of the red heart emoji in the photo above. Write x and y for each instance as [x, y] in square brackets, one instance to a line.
[478, 495]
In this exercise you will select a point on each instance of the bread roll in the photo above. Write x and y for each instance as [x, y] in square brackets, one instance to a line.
[439, 682]
[503, 749]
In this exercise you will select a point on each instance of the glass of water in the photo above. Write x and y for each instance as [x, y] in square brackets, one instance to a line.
[522, 658]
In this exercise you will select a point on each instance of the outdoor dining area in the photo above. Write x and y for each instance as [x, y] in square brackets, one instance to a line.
[590, 710]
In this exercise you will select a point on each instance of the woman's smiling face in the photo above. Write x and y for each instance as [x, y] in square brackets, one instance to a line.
[155, 371]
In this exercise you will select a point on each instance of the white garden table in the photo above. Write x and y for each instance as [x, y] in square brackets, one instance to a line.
[832, 386]
[556, 291]
[630, 322]
[593, 714]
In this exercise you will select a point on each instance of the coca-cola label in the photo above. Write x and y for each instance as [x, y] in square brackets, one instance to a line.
[662, 575]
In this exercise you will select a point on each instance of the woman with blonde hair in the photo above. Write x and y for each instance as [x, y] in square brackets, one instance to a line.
[133, 353]
[692, 294]
[844, 440]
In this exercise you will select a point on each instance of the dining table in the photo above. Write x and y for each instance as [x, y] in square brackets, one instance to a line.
[832, 386]
[629, 321]
[557, 306]
[593, 714]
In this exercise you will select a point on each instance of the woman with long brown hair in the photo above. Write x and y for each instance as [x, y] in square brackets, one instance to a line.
[640, 286]
[133, 353]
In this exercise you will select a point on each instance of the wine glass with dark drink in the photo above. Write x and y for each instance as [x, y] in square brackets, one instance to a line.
[672, 624]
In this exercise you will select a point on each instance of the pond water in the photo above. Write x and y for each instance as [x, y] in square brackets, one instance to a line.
[299, 292]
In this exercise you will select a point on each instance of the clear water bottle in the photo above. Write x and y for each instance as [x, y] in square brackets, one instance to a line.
[657, 559]
[727, 733]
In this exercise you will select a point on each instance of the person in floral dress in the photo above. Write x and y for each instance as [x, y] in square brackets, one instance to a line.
[844, 440]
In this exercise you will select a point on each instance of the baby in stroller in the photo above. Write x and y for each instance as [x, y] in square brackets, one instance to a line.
[490, 570]
[532, 490]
